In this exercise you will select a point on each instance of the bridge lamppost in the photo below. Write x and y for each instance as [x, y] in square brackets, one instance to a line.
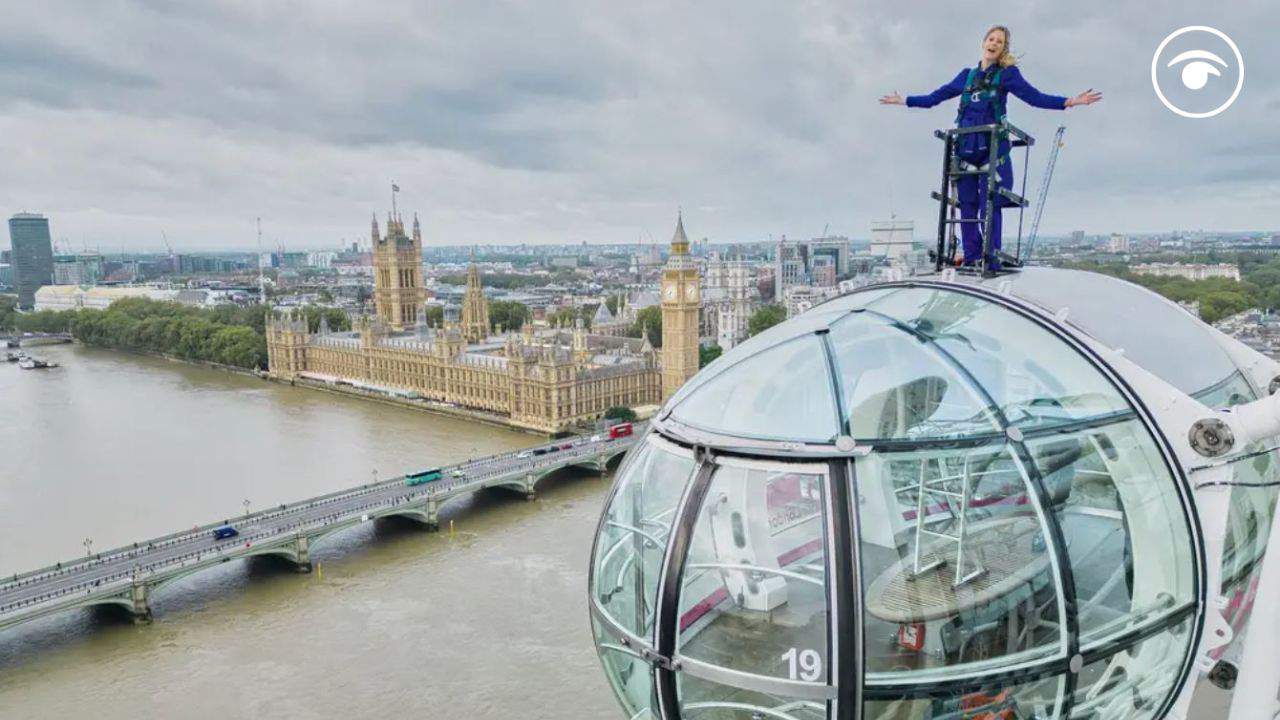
[88, 547]
[375, 476]
[246, 504]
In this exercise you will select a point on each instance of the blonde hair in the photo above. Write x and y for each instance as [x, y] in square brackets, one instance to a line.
[1007, 58]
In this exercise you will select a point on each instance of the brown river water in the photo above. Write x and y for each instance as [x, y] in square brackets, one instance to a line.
[487, 622]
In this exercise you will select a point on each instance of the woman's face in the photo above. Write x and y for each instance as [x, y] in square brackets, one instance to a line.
[993, 46]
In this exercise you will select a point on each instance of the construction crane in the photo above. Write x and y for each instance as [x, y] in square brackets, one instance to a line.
[1044, 192]
[168, 245]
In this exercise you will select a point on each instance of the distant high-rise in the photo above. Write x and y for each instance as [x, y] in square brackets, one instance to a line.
[32, 256]
[788, 267]
[892, 239]
[834, 248]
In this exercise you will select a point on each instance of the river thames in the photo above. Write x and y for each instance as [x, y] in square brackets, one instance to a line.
[490, 622]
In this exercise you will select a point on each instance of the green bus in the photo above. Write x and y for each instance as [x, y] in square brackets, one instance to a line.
[420, 478]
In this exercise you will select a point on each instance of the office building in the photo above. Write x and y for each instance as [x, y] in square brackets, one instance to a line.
[32, 256]
[892, 238]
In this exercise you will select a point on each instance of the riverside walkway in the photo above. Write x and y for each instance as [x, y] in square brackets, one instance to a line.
[127, 576]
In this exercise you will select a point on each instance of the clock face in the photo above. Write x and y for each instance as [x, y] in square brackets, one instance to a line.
[669, 292]
[691, 293]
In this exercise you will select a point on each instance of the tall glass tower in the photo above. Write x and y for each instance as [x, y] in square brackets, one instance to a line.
[32, 256]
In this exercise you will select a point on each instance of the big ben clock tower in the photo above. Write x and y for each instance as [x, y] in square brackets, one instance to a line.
[680, 303]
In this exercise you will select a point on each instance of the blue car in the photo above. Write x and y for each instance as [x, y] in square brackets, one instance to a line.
[224, 532]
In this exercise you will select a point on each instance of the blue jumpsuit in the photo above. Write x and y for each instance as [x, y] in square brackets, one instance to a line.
[973, 148]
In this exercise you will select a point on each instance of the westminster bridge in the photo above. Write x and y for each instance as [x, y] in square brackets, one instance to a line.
[128, 576]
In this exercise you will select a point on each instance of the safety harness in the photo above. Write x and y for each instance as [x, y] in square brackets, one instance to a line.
[980, 85]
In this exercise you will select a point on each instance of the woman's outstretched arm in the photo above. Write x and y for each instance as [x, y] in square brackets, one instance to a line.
[1018, 85]
[942, 94]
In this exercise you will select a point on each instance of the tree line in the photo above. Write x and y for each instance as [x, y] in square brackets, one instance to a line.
[1259, 285]
[225, 334]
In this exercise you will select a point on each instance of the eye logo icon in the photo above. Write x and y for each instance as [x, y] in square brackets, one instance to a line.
[1199, 66]
[1196, 74]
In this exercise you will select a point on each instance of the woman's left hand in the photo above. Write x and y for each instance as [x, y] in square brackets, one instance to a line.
[1088, 97]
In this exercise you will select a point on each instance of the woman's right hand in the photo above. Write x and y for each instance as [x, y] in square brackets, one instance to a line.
[892, 99]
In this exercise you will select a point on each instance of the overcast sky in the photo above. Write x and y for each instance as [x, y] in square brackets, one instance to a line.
[552, 121]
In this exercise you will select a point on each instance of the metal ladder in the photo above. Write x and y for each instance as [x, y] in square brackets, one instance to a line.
[954, 168]
[941, 487]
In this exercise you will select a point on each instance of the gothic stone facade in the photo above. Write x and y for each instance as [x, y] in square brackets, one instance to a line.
[398, 292]
[548, 381]
[681, 302]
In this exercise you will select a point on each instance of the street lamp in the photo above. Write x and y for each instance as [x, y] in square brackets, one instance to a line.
[88, 547]
[246, 503]
[375, 476]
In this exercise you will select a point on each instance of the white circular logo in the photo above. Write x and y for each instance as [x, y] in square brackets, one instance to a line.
[1198, 67]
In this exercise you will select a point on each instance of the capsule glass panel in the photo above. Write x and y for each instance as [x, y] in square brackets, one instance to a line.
[896, 386]
[1134, 682]
[997, 700]
[753, 596]
[1024, 371]
[634, 531]
[702, 699]
[1127, 536]
[784, 392]
[628, 675]
[958, 566]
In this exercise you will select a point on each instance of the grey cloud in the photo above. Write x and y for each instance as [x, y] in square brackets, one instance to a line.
[573, 120]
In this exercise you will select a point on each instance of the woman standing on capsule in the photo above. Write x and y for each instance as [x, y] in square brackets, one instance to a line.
[985, 90]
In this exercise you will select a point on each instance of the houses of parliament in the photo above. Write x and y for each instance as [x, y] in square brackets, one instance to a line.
[548, 380]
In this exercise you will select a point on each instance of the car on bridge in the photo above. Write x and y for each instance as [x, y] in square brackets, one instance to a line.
[224, 532]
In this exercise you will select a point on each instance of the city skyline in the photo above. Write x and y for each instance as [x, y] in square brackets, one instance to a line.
[924, 234]
[557, 129]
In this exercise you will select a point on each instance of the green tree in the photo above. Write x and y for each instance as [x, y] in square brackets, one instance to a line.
[435, 315]
[1218, 297]
[568, 317]
[511, 315]
[765, 318]
[338, 320]
[649, 324]
[49, 321]
[8, 311]
[226, 334]
[238, 346]
[619, 412]
[707, 353]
